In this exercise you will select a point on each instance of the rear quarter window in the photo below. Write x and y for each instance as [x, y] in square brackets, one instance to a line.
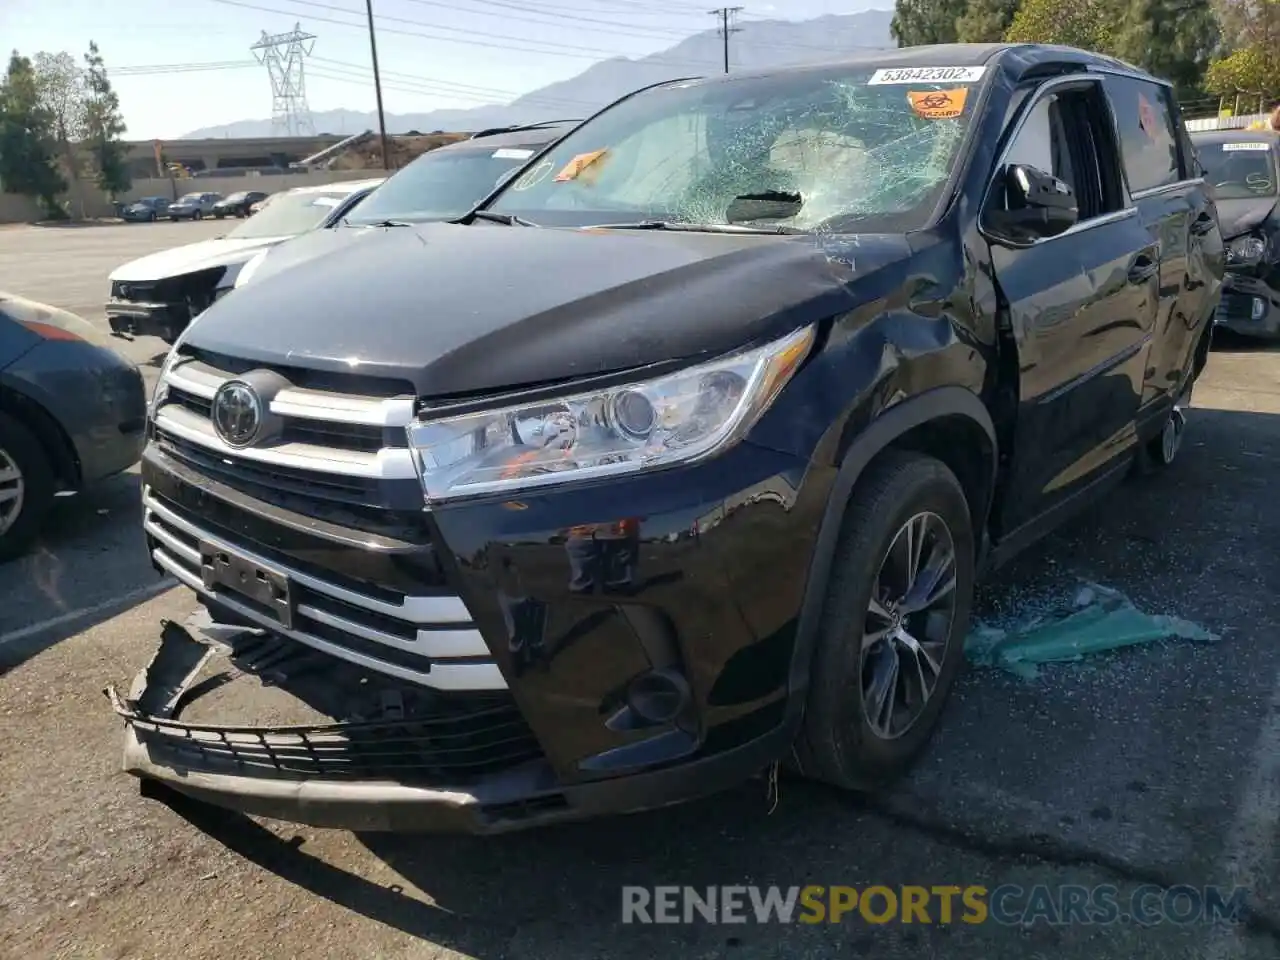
[1148, 129]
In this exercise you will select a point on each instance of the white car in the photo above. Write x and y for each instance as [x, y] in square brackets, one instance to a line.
[159, 294]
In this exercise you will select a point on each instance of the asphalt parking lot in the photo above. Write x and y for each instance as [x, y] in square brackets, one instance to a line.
[1153, 765]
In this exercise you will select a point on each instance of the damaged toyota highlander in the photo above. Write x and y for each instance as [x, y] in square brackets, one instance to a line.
[676, 458]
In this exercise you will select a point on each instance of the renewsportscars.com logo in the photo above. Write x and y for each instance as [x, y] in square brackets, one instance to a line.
[1008, 905]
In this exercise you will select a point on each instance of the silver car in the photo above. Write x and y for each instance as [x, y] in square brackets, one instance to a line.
[192, 206]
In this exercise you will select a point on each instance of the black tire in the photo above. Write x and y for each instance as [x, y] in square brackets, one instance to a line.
[198, 215]
[20, 448]
[837, 742]
[1161, 450]
[151, 217]
[173, 219]
[219, 215]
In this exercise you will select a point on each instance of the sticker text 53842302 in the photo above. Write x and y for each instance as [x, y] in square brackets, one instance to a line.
[1230, 147]
[927, 75]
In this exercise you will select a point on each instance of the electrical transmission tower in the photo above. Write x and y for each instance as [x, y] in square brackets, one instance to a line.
[727, 17]
[283, 55]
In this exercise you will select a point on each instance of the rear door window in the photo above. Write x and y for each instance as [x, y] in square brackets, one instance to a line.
[1148, 133]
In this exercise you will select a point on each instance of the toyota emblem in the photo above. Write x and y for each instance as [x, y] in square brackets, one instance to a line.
[237, 413]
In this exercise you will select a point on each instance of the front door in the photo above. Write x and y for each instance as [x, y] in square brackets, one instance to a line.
[1079, 308]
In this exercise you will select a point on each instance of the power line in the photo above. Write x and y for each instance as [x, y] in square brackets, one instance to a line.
[726, 16]
[444, 86]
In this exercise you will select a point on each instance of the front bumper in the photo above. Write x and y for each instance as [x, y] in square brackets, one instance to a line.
[1249, 306]
[130, 318]
[432, 772]
[566, 602]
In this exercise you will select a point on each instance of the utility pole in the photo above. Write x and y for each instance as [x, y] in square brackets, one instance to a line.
[377, 86]
[726, 16]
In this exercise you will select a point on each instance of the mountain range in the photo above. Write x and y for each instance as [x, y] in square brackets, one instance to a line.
[761, 45]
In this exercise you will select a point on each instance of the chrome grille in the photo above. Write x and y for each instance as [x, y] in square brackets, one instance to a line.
[335, 447]
[427, 639]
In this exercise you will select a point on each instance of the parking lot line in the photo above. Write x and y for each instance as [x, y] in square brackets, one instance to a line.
[124, 600]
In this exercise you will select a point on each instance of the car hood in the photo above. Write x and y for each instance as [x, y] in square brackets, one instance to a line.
[458, 310]
[1240, 216]
[308, 246]
[191, 258]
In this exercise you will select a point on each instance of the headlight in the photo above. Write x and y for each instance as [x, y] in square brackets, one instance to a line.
[678, 418]
[1246, 250]
[247, 271]
[162, 389]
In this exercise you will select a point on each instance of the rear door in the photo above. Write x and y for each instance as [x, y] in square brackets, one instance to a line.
[1078, 307]
[1174, 207]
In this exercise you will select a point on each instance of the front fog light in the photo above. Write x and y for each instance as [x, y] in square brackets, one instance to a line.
[682, 417]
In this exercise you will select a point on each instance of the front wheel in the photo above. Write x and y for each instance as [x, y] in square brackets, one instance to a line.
[891, 638]
[151, 217]
[198, 215]
[26, 487]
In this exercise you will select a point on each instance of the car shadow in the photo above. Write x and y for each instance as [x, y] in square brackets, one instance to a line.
[1062, 769]
[89, 564]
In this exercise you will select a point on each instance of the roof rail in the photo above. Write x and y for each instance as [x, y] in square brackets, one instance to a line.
[491, 131]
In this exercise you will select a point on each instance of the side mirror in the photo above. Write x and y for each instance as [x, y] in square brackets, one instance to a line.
[1037, 205]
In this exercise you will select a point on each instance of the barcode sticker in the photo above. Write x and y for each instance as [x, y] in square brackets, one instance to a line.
[927, 75]
[512, 153]
[1246, 146]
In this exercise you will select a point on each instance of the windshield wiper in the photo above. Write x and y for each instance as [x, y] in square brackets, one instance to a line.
[506, 219]
[378, 223]
[681, 226]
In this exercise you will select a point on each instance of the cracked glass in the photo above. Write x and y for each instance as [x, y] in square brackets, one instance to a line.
[818, 150]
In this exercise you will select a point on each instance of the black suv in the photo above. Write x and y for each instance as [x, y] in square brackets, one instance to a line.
[681, 454]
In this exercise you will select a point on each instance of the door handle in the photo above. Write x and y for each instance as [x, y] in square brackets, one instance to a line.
[1143, 269]
[1202, 225]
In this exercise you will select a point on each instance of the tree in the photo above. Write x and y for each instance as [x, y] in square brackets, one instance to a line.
[62, 94]
[26, 137]
[1088, 24]
[925, 21]
[1250, 32]
[103, 126]
[1173, 39]
[986, 21]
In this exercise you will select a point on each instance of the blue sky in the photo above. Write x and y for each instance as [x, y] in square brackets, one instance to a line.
[433, 53]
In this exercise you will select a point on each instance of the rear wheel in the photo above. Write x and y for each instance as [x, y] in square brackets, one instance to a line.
[26, 487]
[893, 624]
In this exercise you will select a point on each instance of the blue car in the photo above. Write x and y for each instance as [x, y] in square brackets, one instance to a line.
[72, 412]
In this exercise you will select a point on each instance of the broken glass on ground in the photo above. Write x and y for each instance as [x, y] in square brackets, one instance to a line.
[1096, 620]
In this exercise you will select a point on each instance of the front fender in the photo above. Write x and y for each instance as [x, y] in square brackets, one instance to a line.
[893, 424]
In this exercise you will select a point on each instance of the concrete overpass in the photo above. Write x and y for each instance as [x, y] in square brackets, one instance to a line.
[225, 153]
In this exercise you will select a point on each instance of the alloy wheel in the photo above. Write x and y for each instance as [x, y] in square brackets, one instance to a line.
[12, 490]
[908, 625]
[1171, 435]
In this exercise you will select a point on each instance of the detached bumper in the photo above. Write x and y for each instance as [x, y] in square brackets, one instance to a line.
[1249, 306]
[134, 318]
[445, 766]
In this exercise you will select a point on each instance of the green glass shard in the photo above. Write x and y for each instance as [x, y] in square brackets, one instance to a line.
[1099, 619]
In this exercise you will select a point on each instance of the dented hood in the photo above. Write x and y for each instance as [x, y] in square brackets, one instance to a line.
[1236, 217]
[464, 309]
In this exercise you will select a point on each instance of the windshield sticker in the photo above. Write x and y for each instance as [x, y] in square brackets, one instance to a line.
[928, 75]
[512, 153]
[580, 164]
[1245, 146]
[533, 177]
[938, 104]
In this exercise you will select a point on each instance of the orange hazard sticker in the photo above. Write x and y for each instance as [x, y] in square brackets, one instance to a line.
[938, 104]
[580, 164]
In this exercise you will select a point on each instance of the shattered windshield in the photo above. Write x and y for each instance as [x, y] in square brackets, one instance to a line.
[1238, 171]
[817, 150]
